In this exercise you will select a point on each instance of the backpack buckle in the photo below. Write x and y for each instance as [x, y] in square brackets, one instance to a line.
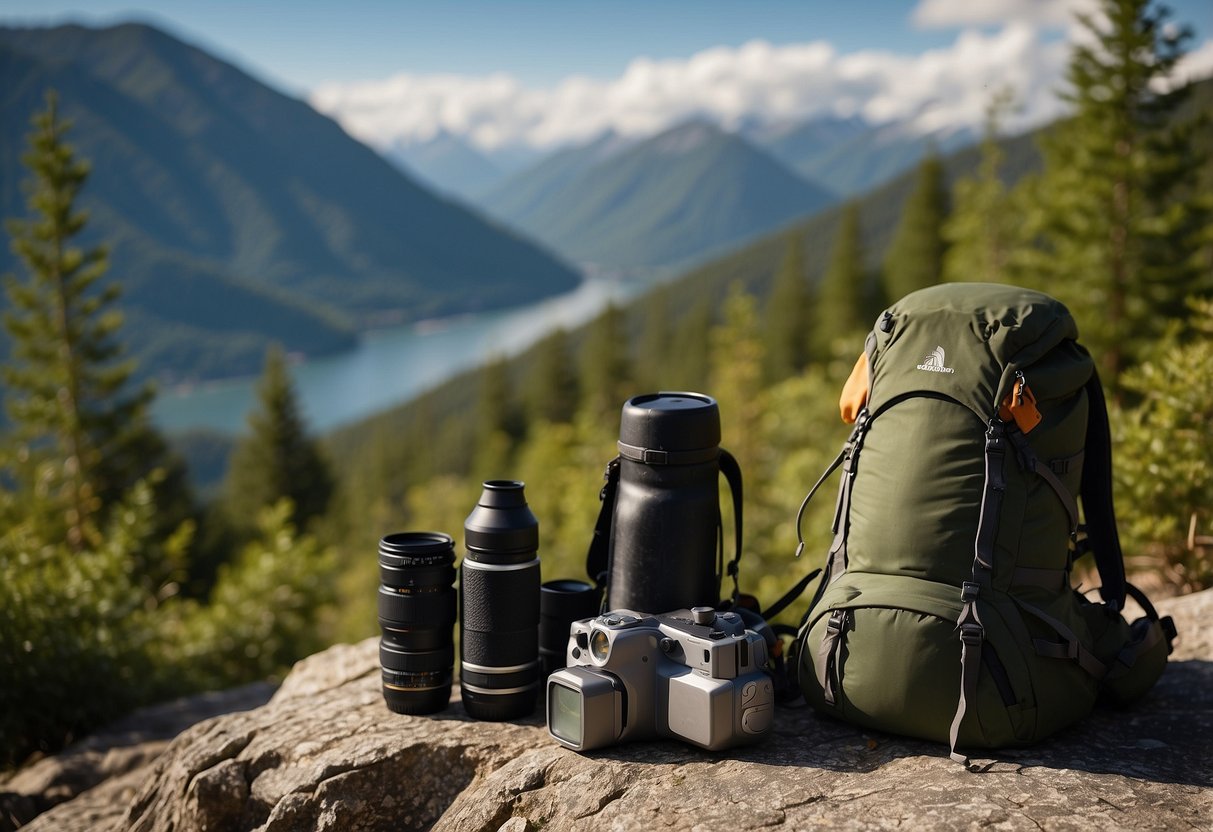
[972, 634]
[834, 625]
[969, 591]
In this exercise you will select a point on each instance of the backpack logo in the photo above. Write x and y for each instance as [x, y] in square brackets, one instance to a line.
[935, 362]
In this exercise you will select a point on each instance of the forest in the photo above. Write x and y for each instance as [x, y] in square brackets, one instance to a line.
[120, 587]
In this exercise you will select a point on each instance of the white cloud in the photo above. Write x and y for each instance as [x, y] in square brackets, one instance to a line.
[1196, 64]
[755, 82]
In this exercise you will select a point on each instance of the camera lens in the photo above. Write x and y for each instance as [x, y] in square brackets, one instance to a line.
[499, 605]
[561, 603]
[416, 618]
[600, 646]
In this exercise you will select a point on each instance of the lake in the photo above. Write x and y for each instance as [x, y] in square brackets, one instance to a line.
[391, 366]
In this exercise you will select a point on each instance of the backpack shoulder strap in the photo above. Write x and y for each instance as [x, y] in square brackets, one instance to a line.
[1097, 498]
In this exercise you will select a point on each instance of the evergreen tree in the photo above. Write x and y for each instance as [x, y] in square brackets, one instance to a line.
[605, 370]
[81, 434]
[738, 356]
[277, 458]
[788, 315]
[497, 423]
[915, 257]
[551, 386]
[840, 311]
[984, 225]
[1168, 430]
[1119, 219]
[653, 359]
[691, 350]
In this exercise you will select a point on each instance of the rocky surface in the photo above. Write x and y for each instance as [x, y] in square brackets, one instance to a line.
[324, 753]
[124, 746]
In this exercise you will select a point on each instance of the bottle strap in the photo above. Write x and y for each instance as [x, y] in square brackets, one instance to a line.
[597, 564]
[732, 474]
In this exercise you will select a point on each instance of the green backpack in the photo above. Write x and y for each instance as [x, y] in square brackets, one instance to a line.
[945, 610]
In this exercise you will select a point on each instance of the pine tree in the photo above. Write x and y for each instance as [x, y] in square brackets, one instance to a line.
[550, 388]
[1119, 219]
[653, 358]
[788, 315]
[738, 356]
[81, 434]
[840, 312]
[604, 368]
[984, 225]
[915, 257]
[277, 458]
[497, 422]
[691, 349]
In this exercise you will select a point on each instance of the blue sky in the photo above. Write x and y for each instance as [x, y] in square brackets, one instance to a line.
[304, 43]
[301, 44]
[507, 75]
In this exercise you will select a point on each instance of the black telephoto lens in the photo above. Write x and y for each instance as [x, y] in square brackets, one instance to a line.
[417, 617]
[499, 605]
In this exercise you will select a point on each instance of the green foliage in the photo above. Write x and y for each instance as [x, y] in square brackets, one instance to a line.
[605, 368]
[80, 436]
[1115, 211]
[736, 381]
[66, 389]
[93, 544]
[839, 314]
[76, 627]
[915, 257]
[687, 367]
[277, 459]
[550, 389]
[985, 224]
[261, 615]
[1163, 456]
[788, 315]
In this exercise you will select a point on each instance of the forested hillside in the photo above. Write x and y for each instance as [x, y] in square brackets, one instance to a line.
[237, 216]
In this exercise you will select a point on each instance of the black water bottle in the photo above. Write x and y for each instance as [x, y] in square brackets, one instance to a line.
[499, 605]
[665, 529]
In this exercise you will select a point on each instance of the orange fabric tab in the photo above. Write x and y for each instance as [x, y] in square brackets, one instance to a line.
[1020, 405]
[855, 391]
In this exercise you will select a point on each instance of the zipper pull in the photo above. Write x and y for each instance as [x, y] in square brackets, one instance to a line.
[1020, 405]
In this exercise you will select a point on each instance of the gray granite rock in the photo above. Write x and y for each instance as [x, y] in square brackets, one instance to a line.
[326, 754]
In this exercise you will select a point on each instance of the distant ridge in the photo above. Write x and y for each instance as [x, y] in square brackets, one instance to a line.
[237, 215]
[675, 198]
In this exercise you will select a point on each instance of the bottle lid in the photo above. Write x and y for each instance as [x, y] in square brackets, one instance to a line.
[670, 422]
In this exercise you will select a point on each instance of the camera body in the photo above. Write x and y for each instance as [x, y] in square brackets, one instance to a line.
[695, 675]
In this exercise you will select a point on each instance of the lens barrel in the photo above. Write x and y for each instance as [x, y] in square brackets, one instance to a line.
[499, 605]
[416, 618]
[561, 603]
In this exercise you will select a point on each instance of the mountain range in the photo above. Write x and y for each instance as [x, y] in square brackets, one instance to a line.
[672, 199]
[850, 156]
[446, 164]
[236, 215]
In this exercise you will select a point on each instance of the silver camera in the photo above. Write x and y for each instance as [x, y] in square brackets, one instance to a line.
[694, 675]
